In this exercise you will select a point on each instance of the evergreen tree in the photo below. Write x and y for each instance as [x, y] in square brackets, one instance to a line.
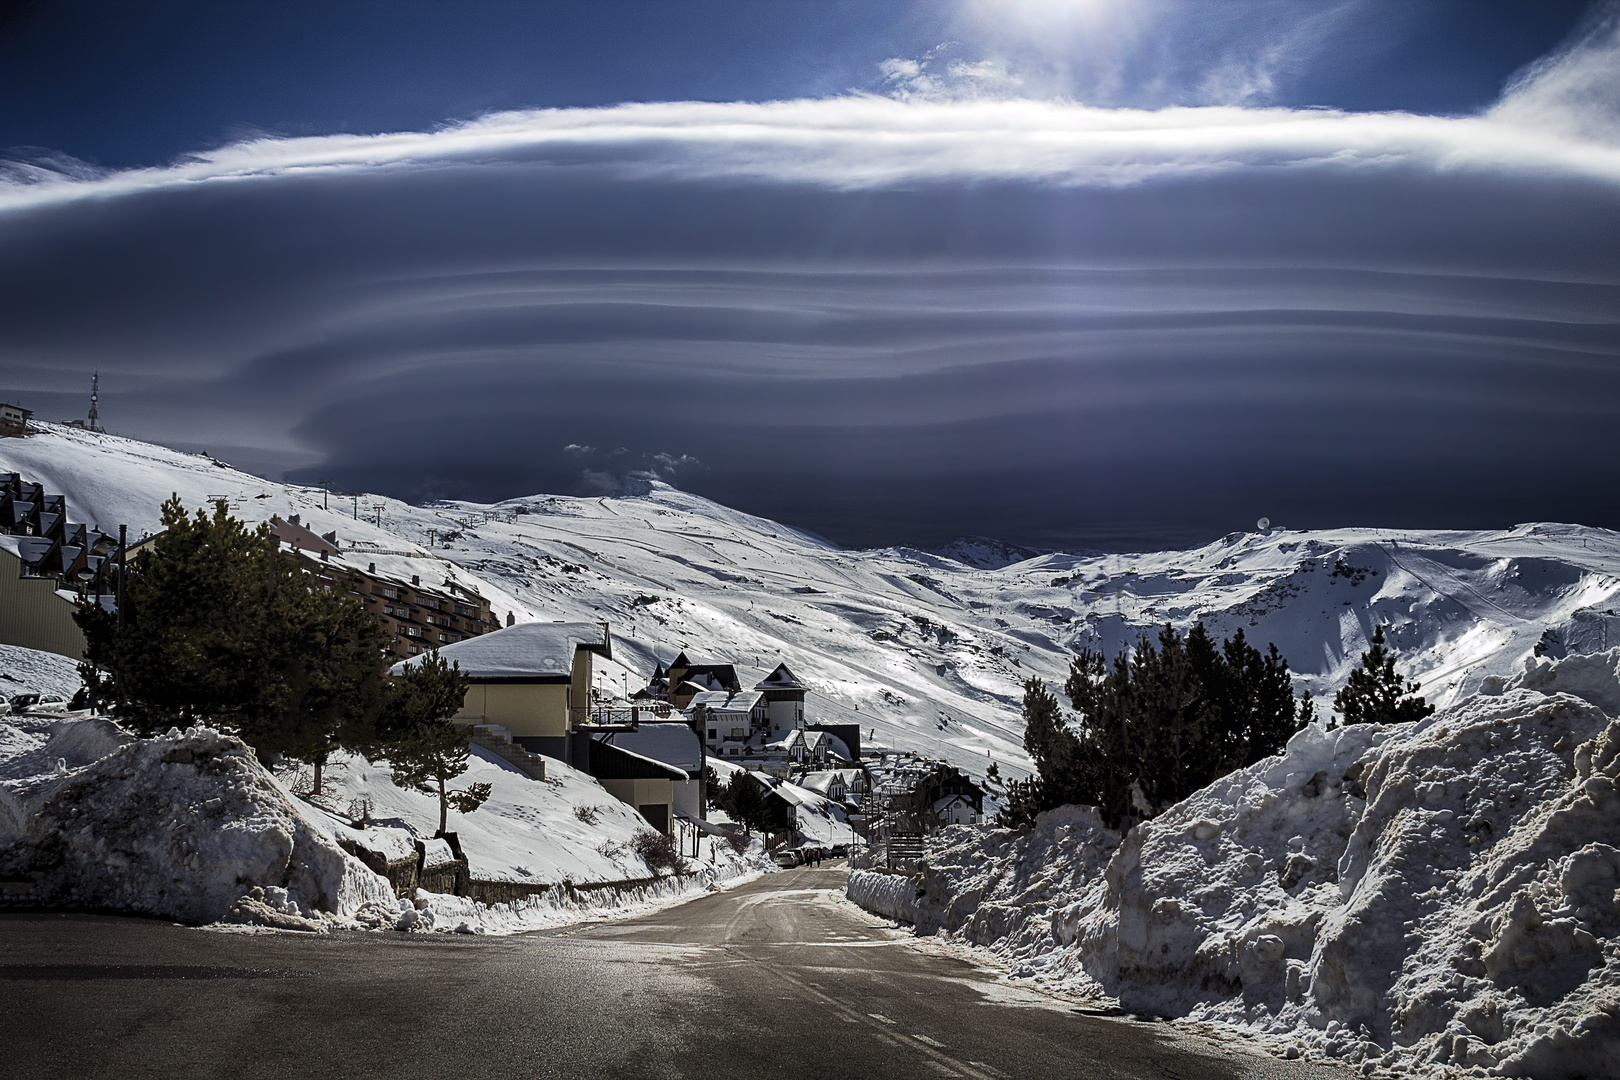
[220, 629]
[1156, 724]
[1374, 694]
[424, 749]
[745, 803]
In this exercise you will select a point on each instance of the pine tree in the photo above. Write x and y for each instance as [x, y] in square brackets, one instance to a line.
[425, 751]
[220, 629]
[1374, 694]
[1161, 721]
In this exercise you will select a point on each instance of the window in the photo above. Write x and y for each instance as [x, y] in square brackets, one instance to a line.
[739, 733]
[711, 733]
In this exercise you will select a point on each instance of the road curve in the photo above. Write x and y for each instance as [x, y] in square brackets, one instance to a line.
[779, 977]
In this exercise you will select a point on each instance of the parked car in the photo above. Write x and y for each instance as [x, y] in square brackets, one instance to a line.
[45, 703]
[19, 703]
[788, 858]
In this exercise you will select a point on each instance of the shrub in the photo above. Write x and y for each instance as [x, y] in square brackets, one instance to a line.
[587, 814]
[656, 849]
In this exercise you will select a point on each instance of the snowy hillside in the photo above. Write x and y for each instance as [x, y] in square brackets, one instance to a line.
[923, 651]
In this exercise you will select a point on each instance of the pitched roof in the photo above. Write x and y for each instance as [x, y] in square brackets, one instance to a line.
[780, 679]
[671, 743]
[525, 651]
[726, 700]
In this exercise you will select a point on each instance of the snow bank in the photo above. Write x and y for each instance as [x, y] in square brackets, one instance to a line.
[1425, 899]
[561, 906]
[894, 896]
[1019, 893]
[181, 826]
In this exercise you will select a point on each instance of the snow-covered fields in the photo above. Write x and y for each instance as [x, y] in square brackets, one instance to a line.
[923, 651]
[1433, 898]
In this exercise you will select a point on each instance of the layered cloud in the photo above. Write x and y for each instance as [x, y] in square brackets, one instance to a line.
[884, 320]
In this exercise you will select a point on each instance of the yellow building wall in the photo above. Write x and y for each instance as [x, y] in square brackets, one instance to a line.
[33, 616]
[579, 697]
[639, 793]
[527, 710]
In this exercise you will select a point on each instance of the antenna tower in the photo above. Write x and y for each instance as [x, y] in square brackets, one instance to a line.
[95, 396]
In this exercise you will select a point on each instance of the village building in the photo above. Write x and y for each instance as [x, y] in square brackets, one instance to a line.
[416, 617]
[675, 745]
[532, 679]
[47, 564]
[14, 421]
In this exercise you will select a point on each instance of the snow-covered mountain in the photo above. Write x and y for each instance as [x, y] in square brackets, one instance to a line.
[924, 651]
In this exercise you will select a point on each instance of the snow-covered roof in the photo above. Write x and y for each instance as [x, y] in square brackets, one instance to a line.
[780, 679]
[725, 700]
[672, 743]
[527, 651]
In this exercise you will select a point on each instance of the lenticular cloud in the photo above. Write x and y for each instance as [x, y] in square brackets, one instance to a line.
[866, 141]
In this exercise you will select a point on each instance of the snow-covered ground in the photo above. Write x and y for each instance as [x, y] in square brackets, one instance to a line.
[25, 671]
[1436, 898]
[191, 827]
[924, 652]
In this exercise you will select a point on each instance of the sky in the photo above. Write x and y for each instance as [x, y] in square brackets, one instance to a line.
[1116, 274]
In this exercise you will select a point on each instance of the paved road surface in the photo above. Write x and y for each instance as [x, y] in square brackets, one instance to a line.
[776, 978]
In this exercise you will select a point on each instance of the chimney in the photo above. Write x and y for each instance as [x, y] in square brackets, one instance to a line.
[293, 519]
[371, 568]
[510, 618]
[416, 579]
[325, 556]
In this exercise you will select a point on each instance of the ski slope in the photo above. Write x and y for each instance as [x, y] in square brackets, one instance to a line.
[923, 651]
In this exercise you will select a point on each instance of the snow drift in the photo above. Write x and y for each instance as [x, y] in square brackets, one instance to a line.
[182, 826]
[1436, 896]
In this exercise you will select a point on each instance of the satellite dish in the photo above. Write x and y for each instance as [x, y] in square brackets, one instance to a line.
[1263, 524]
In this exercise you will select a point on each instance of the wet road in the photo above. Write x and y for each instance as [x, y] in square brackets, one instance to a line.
[776, 978]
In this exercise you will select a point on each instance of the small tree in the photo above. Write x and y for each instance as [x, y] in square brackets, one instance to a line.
[1374, 694]
[424, 749]
[744, 801]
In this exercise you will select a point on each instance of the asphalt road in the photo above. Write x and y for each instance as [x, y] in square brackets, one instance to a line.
[776, 978]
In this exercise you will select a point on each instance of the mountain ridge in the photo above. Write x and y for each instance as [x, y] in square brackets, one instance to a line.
[923, 651]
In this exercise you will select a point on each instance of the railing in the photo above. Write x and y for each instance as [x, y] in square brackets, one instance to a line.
[600, 716]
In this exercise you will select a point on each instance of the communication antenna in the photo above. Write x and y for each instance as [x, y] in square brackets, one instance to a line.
[1263, 524]
[95, 396]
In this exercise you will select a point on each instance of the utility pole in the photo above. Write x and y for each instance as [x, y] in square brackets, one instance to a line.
[326, 490]
[123, 565]
[356, 498]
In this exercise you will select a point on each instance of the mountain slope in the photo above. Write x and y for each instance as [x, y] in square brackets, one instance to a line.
[923, 651]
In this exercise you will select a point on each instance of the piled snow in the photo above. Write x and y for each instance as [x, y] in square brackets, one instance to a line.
[1432, 897]
[724, 868]
[192, 827]
[180, 826]
[894, 896]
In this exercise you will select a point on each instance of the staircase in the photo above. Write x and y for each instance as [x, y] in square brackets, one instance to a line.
[498, 740]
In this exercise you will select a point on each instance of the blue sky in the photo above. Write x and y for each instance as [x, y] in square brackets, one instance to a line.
[1068, 272]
